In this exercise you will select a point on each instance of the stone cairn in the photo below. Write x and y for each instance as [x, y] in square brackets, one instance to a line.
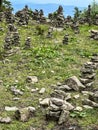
[12, 37]
[89, 21]
[75, 27]
[94, 34]
[58, 106]
[50, 31]
[23, 16]
[57, 18]
[65, 39]
[28, 43]
[1, 16]
[9, 16]
[39, 16]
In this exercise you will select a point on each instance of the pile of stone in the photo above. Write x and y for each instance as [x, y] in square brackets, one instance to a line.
[10, 18]
[28, 43]
[58, 105]
[88, 74]
[58, 109]
[23, 16]
[57, 18]
[75, 27]
[1, 16]
[65, 39]
[94, 34]
[12, 37]
[15, 38]
[7, 42]
[50, 31]
[39, 16]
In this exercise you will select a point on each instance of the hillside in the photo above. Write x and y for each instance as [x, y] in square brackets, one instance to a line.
[36, 65]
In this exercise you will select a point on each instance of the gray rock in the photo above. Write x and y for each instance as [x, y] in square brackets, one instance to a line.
[54, 108]
[74, 83]
[16, 91]
[57, 102]
[53, 114]
[45, 102]
[76, 96]
[90, 103]
[94, 97]
[32, 79]
[57, 95]
[78, 108]
[87, 107]
[64, 87]
[63, 117]
[5, 120]
[42, 91]
[67, 106]
[85, 81]
[7, 108]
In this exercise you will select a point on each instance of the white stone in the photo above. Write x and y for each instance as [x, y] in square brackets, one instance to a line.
[42, 91]
[7, 108]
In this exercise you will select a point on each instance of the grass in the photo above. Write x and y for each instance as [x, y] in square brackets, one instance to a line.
[51, 62]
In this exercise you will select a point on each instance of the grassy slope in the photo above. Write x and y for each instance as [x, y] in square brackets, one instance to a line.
[51, 62]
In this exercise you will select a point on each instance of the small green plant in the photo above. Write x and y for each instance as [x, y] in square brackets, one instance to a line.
[78, 114]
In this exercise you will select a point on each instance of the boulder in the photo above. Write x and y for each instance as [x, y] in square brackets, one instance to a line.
[74, 83]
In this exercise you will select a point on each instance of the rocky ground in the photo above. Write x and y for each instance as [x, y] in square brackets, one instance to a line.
[48, 76]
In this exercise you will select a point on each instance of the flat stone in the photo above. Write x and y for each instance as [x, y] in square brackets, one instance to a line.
[74, 83]
[54, 108]
[85, 81]
[42, 91]
[88, 76]
[7, 108]
[57, 95]
[78, 108]
[68, 96]
[64, 87]
[94, 97]
[87, 107]
[76, 96]
[60, 92]
[5, 120]
[57, 102]
[53, 114]
[34, 90]
[90, 103]
[45, 102]
[89, 84]
[67, 106]
[87, 70]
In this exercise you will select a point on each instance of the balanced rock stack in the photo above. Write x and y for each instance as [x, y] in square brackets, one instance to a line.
[28, 43]
[58, 109]
[9, 17]
[88, 74]
[12, 37]
[23, 16]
